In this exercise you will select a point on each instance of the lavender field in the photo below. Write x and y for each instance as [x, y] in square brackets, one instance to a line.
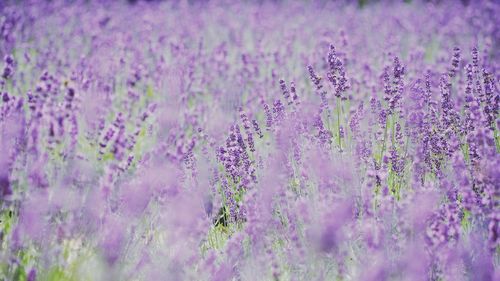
[249, 140]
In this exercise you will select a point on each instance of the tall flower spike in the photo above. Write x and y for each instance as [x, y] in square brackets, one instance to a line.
[269, 117]
[477, 90]
[293, 91]
[455, 61]
[8, 69]
[491, 100]
[398, 86]
[279, 111]
[285, 92]
[446, 104]
[387, 84]
[257, 128]
[428, 91]
[314, 78]
[247, 128]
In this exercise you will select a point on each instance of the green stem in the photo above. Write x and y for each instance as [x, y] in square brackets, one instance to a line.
[339, 107]
[383, 144]
[497, 139]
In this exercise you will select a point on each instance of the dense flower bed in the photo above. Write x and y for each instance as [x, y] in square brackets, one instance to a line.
[233, 140]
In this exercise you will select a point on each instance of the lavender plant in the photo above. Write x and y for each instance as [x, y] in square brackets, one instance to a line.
[237, 140]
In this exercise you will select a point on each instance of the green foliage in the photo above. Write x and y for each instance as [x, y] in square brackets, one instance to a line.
[56, 273]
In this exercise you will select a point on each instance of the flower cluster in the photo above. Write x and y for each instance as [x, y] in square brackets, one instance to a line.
[233, 140]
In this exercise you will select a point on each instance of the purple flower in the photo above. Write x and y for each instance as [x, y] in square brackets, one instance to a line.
[454, 62]
[314, 78]
[8, 69]
[257, 128]
[269, 117]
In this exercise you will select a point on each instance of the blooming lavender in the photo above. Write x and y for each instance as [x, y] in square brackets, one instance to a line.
[240, 140]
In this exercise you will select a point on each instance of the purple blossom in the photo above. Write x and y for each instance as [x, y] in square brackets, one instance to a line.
[224, 141]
